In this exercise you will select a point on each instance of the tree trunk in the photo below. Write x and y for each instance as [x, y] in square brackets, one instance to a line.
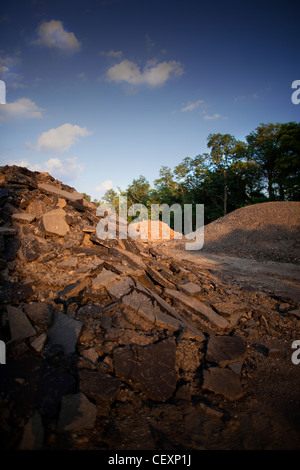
[225, 193]
[270, 186]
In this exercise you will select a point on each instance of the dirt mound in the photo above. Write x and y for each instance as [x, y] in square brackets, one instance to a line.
[156, 230]
[109, 344]
[267, 231]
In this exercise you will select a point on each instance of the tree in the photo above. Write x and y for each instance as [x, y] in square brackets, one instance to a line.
[287, 166]
[111, 197]
[224, 149]
[86, 197]
[263, 148]
[276, 148]
[138, 192]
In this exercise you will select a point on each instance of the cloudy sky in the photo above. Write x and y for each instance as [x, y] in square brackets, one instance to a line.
[99, 92]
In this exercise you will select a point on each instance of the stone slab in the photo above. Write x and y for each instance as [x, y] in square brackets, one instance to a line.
[222, 382]
[104, 278]
[54, 222]
[20, 326]
[151, 367]
[23, 218]
[76, 413]
[190, 288]
[65, 332]
[199, 307]
[226, 349]
[49, 188]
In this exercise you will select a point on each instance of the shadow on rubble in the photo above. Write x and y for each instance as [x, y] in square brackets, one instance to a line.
[271, 243]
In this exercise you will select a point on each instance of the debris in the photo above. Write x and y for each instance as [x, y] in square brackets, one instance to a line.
[115, 344]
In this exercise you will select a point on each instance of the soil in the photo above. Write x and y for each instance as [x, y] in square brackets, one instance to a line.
[144, 345]
[257, 249]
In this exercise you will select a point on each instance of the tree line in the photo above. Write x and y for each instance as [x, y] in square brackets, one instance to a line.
[233, 174]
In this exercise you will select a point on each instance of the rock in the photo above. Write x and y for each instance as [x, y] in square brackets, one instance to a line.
[91, 355]
[151, 367]
[77, 413]
[23, 218]
[65, 332]
[54, 222]
[53, 384]
[61, 203]
[30, 249]
[38, 208]
[73, 290]
[93, 311]
[99, 387]
[150, 310]
[20, 326]
[284, 307]
[236, 367]
[184, 393]
[223, 382]
[50, 189]
[33, 435]
[157, 277]
[142, 304]
[14, 292]
[172, 314]
[68, 263]
[190, 288]
[40, 313]
[211, 412]
[251, 333]
[275, 353]
[117, 328]
[132, 258]
[230, 308]
[296, 313]
[118, 289]
[39, 343]
[226, 349]
[206, 312]
[104, 279]
[123, 270]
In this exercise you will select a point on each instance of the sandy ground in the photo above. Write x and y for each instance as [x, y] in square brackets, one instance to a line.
[280, 279]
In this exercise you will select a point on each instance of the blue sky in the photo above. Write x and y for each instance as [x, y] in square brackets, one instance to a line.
[100, 92]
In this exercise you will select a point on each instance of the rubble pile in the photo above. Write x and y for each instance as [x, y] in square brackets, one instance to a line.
[112, 345]
[156, 230]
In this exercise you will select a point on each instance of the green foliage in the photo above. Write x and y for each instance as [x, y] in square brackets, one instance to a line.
[86, 197]
[232, 175]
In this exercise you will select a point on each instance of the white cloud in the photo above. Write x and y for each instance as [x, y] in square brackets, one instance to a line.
[9, 70]
[61, 138]
[215, 116]
[23, 108]
[153, 74]
[53, 35]
[112, 53]
[23, 163]
[104, 186]
[64, 170]
[192, 106]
